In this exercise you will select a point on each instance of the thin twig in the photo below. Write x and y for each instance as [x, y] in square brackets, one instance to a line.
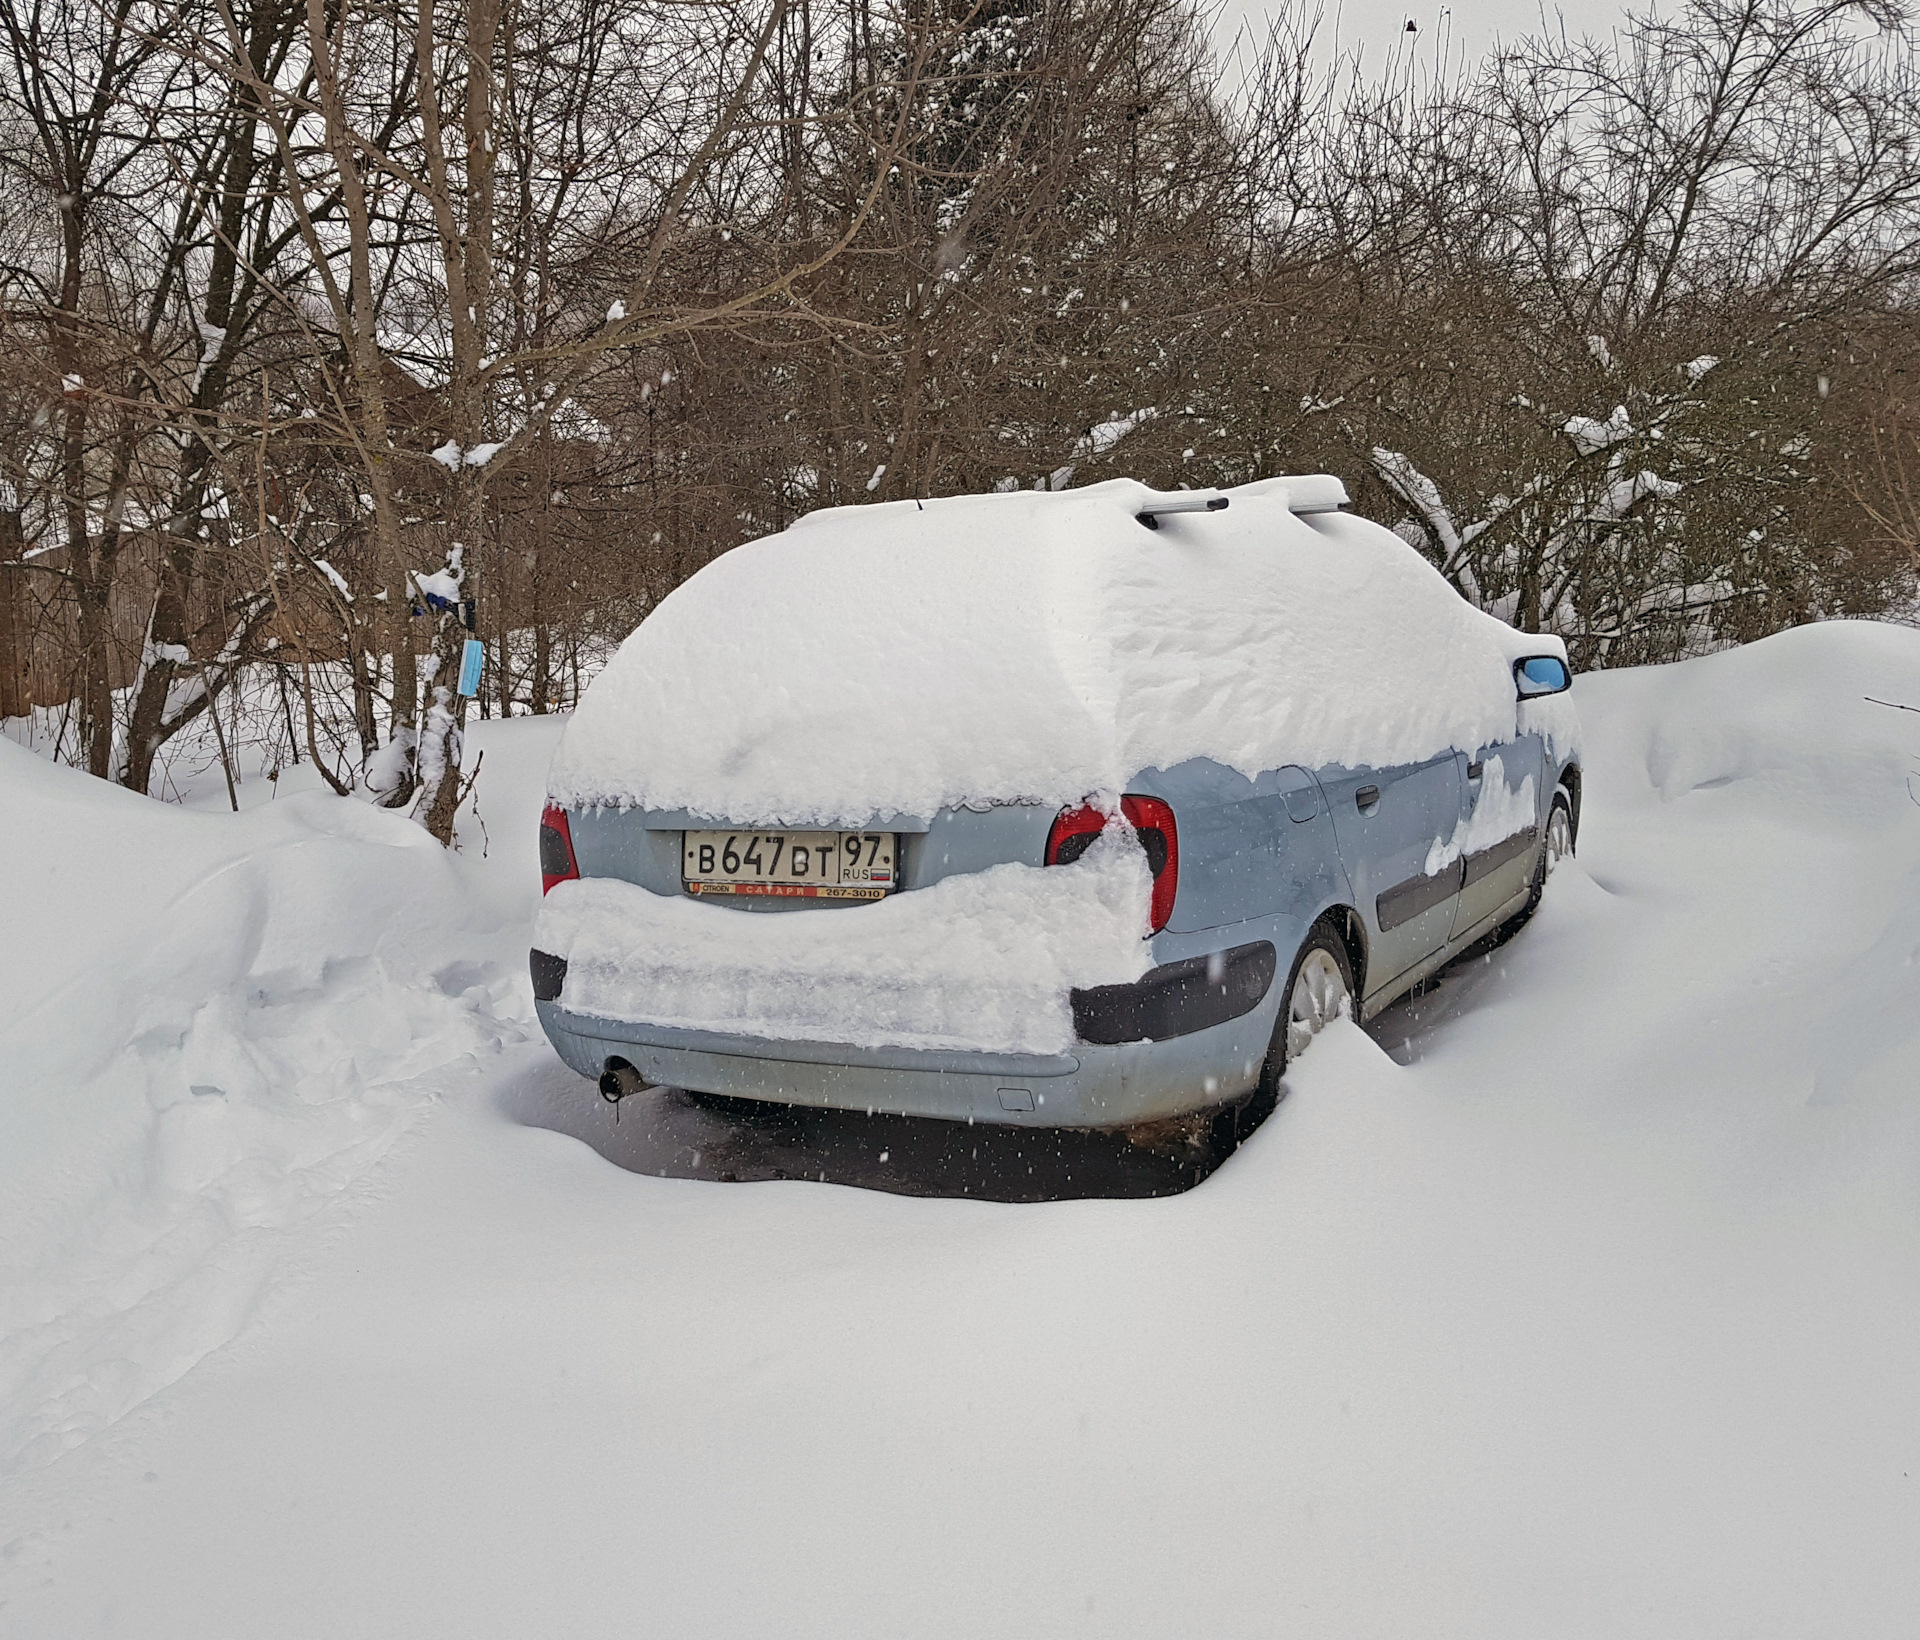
[466, 791]
[220, 739]
[341, 788]
[1896, 705]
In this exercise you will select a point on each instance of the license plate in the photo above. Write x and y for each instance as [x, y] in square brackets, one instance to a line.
[813, 865]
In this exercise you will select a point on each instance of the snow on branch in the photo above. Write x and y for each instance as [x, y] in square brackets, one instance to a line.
[1104, 435]
[1590, 437]
[1420, 493]
[453, 458]
[441, 588]
[338, 580]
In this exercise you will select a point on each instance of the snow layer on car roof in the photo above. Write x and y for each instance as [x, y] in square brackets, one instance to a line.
[897, 658]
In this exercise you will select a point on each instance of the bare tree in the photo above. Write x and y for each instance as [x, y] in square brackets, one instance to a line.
[343, 333]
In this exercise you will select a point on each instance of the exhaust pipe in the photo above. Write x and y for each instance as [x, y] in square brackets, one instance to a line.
[621, 1081]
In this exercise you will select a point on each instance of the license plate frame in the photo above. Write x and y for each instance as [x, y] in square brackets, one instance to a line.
[711, 860]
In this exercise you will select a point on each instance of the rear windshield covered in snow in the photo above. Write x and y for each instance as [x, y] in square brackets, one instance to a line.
[894, 659]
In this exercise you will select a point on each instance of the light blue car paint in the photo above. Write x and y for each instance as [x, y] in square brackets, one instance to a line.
[1261, 861]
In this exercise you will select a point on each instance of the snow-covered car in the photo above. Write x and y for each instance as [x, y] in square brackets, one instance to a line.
[1086, 808]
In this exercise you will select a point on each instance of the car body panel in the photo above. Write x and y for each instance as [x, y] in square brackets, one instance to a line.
[1494, 874]
[1386, 821]
[1261, 859]
[642, 846]
[1095, 1085]
[621, 843]
[1248, 848]
[962, 840]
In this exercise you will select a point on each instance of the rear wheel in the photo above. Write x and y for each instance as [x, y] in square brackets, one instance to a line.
[1319, 991]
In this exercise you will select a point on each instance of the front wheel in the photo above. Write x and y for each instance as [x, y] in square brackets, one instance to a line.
[1555, 847]
[1559, 829]
[1319, 991]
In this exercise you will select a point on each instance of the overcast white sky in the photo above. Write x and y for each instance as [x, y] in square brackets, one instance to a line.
[1376, 26]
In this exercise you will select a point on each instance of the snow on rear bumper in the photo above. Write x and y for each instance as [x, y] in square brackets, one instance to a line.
[1215, 1056]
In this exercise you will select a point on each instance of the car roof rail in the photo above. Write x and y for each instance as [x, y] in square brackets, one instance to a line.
[1151, 514]
[1310, 493]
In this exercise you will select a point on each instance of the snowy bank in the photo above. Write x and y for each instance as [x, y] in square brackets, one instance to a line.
[1579, 1298]
[214, 1029]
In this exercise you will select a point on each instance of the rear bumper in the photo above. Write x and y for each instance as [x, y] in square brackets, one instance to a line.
[1214, 1028]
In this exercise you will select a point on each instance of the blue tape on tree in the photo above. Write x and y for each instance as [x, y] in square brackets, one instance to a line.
[470, 659]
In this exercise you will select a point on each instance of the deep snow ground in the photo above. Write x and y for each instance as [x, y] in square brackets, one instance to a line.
[1581, 1297]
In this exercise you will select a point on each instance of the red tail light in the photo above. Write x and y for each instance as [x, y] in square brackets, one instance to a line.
[1075, 829]
[557, 863]
[1073, 833]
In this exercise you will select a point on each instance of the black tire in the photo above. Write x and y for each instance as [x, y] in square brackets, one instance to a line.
[1561, 813]
[1323, 937]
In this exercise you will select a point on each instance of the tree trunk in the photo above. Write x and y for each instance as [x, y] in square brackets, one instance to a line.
[96, 683]
[1528, 616]
[542, 663]
[14, 701]
[365, 727]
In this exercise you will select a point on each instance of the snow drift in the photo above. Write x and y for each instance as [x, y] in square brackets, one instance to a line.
[214, 1029]
[1579, 1298]
[893, 659]
[981, 961]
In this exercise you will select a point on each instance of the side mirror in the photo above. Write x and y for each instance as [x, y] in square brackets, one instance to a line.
[1541, 675]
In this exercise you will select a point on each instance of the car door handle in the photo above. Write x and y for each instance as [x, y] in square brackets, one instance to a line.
[1473, 770]
[1366, 798]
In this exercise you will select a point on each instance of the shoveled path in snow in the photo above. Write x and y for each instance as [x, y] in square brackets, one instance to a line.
[1584, 1301]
